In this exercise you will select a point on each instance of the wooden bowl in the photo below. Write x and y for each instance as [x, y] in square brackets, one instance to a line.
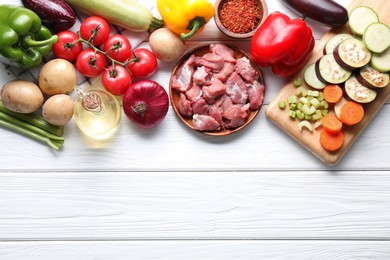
[174, 95]
[218, 6]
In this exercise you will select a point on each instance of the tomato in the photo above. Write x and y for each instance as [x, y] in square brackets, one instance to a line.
[90, 64]
[145, 64]
[68, 47]
[96, 26]
[118, 47]
[116, 80]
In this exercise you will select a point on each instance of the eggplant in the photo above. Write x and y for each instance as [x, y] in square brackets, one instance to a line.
[325, 12]
[57, 15]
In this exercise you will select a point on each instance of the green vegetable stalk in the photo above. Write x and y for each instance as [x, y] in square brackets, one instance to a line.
[33, 126]
[23, 39]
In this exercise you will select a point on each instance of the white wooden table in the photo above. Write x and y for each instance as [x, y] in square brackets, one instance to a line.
[172, 193]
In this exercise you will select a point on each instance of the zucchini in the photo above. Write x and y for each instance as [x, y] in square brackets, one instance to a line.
[128, 14]
[357, 92]
[352, 53]
[329, 71]
[381, 61]
[377, 37]
[372, 78]
[360, 18]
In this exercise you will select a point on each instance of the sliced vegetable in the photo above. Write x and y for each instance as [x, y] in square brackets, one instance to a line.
[305, 124]
[360, 18]
[372, 78]
[332, 124]
[331, 142]
[357, 92]
[311, 78]
[381, 61]
[352, 53]
[351, 113]
[333, 93]
[334, 41]
[329, 71]
[377, 37]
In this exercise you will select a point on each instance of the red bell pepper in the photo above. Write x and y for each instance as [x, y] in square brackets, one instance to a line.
[283, 43]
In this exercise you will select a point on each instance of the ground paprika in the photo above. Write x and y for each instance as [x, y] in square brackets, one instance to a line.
[282, 43]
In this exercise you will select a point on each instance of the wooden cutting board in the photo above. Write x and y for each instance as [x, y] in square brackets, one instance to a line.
[310, 140]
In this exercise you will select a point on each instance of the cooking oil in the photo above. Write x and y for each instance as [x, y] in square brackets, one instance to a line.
[97, 113]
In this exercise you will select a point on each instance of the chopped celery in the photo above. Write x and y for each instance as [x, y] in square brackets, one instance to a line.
[306, 124]
[292, 99]
[308, 110]
[313, 93]
[293, 106]
[299, 106]
[292, 114]
[301, 91]
[308, 117]
[304, 100]
[282, 104]
[324, 104]
[320, 96]
[315, 103]
[300, 115]
[325, 112]
[297, 82]
[317, 115]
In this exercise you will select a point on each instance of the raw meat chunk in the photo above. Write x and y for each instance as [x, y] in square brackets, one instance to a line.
[256, 95]
[185, 108]
[237, 89]
[200, 107]
[235, 116]
[182, 80]
[245, 69]
[210, 93]
[194, 93]
[225, 72]
[202, 76]
[212, 61]
[223, 51]
[205, 123]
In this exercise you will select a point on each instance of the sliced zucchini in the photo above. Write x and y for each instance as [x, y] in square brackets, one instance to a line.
[352, 54]
[311, 78]
[357, 92]
[377, 37]
[334, 41]
[360, 18]
[329, 71]
[372, 78]
[381, 61]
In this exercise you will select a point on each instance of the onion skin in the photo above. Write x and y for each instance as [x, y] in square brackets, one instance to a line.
[146, 103]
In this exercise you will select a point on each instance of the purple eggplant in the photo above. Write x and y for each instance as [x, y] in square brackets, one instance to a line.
[57, 15]
[326, 12]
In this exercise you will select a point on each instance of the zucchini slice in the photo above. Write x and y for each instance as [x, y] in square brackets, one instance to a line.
[381, 61]
[372, 78]
[311, 78]
[360, 18]
[352, 54]
[329, 71]
[377, 37]
[334, 41]
[357, 92]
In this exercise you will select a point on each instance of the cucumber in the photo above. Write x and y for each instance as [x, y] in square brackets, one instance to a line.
[334, 41]
[329, 71]
[372, 78]
[311, 78]
[381, 61]
[360, 18]
[128, 14]
[377, 37]
[352, 53]
[357, 92]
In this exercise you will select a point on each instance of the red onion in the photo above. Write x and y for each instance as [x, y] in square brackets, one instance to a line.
[146, 103]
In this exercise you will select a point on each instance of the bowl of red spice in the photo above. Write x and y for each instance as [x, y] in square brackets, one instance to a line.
[240, 18]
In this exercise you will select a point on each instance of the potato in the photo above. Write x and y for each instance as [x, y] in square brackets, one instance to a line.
[166, 45]
[21, 96]
[58, 109]
[58, 76]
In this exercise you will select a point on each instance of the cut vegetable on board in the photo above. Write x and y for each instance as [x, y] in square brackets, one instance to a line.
[341, 58]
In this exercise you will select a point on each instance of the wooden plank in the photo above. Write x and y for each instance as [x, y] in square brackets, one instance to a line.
[193, 205]
[115, 250]
[310, 140]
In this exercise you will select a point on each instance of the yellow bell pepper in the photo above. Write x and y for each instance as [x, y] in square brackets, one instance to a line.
[185, 17]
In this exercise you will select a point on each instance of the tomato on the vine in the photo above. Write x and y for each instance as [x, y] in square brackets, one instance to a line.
[116, 79]
[68, 47]
[118, 47]
[90, 63]
[97, 26]
[144, 65]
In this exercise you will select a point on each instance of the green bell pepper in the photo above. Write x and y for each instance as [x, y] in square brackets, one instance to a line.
[23, 38]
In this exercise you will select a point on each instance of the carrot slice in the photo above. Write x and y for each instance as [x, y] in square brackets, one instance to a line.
[351, 113]
[332, 124]
[331, 142]
[333, 93]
